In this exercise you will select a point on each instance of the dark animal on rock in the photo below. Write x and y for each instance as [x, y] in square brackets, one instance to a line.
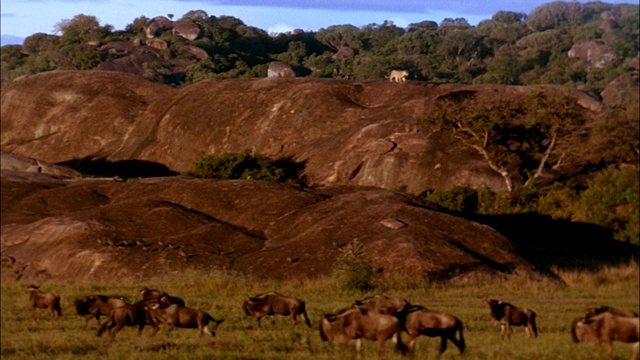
[605, 328]
[419, 320]
[94, 306]
[273, 303]
[509, 315]
[41, 300]
[356, 323]
[176, 316]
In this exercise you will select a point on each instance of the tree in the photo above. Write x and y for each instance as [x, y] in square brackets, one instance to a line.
[557, 117]
[81, 28]
[478, 125]
[338, 36]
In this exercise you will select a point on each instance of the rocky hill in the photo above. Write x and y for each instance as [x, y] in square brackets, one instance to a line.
[357, 143]
[342, 132]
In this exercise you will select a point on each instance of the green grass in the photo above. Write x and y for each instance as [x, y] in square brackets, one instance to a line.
[239, 338]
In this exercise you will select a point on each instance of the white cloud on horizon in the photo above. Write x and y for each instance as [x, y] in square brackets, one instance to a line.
[280, 28]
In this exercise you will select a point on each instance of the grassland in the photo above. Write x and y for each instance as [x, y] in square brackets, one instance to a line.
[239, 337]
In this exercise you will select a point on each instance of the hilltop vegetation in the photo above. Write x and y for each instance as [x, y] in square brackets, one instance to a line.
[510, 48]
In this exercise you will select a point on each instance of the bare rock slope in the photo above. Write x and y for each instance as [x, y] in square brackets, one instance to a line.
[342, 132]
[112, 231]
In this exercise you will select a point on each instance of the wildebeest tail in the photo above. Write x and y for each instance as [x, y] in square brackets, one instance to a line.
[303, 312]
[532, 321]
[462, 345]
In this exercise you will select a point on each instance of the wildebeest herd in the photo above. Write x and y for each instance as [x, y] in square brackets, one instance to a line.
[376, 318]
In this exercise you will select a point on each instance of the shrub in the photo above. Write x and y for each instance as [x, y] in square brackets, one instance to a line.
[245, 166]
[612, 201]
[353, 268]
[457, 198]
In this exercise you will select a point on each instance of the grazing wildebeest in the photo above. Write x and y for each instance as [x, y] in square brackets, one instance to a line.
[383, 304]
[273, 303]
[94, 306]
[137, 314]
[41, 300]
[356, 323]
[181, 317]
[509, 315]
[160, 296]
[419, 320]
[606, 328]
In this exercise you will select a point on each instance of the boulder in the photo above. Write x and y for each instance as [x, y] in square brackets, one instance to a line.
[279, 69]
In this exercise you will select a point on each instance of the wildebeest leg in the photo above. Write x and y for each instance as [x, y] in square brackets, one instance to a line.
[635, 353]
[506, 330]
[207, 331]
[140, 328]
[358, 348]
[443, 345]
[609, 345]
[115, 330]
[412, 342]
[381, 341]
[259, 323]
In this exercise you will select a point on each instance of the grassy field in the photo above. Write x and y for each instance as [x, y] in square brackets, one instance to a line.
[240, 338]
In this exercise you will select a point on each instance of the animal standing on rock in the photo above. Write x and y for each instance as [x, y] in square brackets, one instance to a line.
[356, 323]
[41, 300]
[273, 303]
[420, 321]
[509, 315]
[398, 75]
[94, 306]
[605, 325]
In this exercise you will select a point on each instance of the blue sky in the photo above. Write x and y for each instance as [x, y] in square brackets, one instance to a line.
[22, 18]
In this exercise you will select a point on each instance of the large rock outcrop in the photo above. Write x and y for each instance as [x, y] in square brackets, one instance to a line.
[112, 231]
[344, 133]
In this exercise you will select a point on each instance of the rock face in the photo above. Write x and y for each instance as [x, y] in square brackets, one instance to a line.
[95, 229]
[343, 133]
[593, 52]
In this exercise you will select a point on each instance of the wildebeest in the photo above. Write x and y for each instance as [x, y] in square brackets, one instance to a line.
[160, 296]
[41, 300]
[383, 304]
[509, 315]
[94, 306]
[177, 316]
[419, 320]
[273, 303]
[137, 314]
[606, 327]
[356, 323]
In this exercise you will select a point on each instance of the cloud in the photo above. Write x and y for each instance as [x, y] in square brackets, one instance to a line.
[280, 28]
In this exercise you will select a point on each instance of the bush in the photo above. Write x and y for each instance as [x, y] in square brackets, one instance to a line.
[245, 166]
[353, 268]
[457, 198]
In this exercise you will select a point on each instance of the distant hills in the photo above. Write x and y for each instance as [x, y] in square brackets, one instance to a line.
[10, 40]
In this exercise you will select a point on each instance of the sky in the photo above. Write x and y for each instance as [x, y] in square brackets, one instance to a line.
[22, 18]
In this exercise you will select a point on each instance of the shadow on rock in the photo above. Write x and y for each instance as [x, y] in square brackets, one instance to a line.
[125, 169]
